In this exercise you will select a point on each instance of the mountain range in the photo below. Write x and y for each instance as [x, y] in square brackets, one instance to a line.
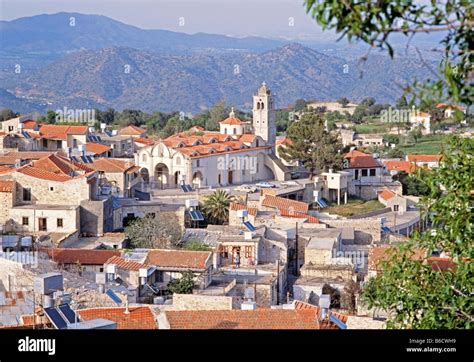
[102, 63]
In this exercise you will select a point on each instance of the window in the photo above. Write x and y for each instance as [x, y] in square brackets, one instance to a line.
[364, 173]
[395, 207]
[372, 172]
[248, 251]
[59, 223]
[151, 214]
[234, 131]
[159, 277]
[51, 188]
[59, 144]
[10, 128]
[74, 143]
[25, 220]
[197, 163]
[26, 194]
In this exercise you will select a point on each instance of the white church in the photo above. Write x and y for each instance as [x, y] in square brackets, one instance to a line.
[239, 153]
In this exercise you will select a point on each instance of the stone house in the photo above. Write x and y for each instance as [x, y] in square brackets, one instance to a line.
[122, 175]
[88, 260]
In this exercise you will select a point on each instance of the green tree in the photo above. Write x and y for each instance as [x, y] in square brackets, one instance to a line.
[7, 114]
[161, 231]
[130, 116]
[217, 113]
[300, 105]
[183, 285]
[373, 23]
[420, 296]
[401, 103]
[391, 138]
[416, 134]
[412, 185]
[316, 148]
[196, 245]
[216, 207]
[343, 102]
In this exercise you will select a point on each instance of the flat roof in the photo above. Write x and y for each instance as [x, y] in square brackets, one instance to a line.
[47, 207]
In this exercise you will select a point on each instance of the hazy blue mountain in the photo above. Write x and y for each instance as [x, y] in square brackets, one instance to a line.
[129, 78]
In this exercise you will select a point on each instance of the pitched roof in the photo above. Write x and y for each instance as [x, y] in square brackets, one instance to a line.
[182, 259]
[29, 124]
[11, 157]
[359, 159]
[7, 186]
[125, 264]
[404, 166]
[111, 165]
[146, 141]
[284, 141]
[282, 203]
[243, 319]
[299, 305]
[82, 256]
[386, 194]
[137, 318]
[60, 132]
[378, 254]
[449, 106]
[424, 158]
[441, 263]
[97, 148]
[131, 130]
[234, 206]
[299, 215]
[43, 174]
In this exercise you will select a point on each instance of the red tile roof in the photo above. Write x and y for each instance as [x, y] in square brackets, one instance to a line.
[61, 132]
[378, 254]
[182, 259]
[11, 157]
[448, 106]
[111, 165]
[29, 124]
[243, 319]
[404, 166]
[82, 256]
[299, 305]
[299, 215]
[131, 130]
[284, 141]
[282, 203]
[7, 186]
[138, 317]
[361, 160]
[125, 264]
[441, 263]
[232, 120]
[386, 194]
[97, 148]
[146, 141]
[424, 158]
[234, 206]
[43, 174]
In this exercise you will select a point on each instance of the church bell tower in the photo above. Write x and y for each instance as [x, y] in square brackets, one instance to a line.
[264, 115]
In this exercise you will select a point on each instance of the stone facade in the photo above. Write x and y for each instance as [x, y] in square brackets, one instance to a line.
[201, 302]
[365, 230]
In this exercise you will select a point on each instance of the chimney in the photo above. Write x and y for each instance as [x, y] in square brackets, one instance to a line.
[324, 303]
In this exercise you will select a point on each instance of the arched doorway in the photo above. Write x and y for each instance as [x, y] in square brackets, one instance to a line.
[145, 175]
[197, 179]
[162, 175]
[230, 177]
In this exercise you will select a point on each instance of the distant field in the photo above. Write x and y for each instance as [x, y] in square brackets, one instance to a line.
[372, 128]
[354, 207]
[427, 145]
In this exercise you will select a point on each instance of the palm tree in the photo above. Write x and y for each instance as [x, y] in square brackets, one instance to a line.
[216, 206]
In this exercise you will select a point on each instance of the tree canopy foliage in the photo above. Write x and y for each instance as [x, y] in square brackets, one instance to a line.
[312, 145]
[417, 294]
[161, 231]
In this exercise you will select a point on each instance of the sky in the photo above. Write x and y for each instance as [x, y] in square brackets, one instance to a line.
[265, 18]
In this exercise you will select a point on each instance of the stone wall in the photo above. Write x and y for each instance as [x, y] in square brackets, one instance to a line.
[50, 192]
[345, 272]
[365, 230]
[200, 302]
[92, 217]
[6, 203]
[69, 216]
